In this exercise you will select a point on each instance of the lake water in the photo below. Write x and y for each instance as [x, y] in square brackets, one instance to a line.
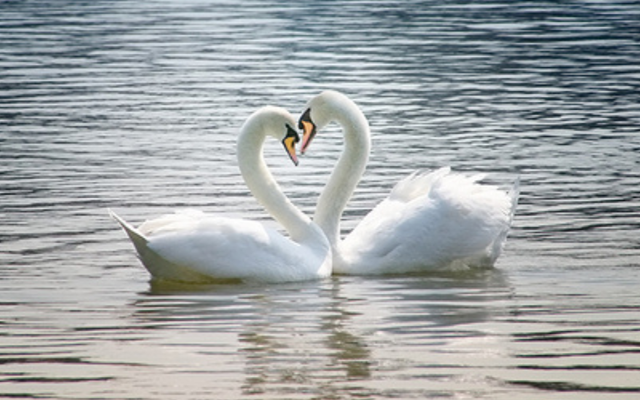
[136, 106]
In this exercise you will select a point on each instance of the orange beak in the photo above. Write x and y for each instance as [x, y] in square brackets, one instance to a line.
[289, 143]
[308, 130]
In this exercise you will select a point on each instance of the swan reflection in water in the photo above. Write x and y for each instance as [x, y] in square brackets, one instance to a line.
[322, 337]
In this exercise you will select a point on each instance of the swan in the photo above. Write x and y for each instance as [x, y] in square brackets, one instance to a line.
[429, 221]
[194, 247]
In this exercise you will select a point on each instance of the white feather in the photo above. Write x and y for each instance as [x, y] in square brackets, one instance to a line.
[429, 221]
[191, 246]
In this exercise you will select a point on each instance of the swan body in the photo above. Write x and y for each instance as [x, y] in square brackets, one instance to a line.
[430, 220]
[191, 246]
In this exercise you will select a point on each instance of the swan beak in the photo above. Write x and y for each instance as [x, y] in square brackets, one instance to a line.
[289, 143]
[308, 130]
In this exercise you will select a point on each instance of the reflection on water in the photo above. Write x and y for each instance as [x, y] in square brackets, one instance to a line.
[397, 337]
[136, 106]
[345, 337]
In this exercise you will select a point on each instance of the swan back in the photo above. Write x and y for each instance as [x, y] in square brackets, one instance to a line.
[450, 221]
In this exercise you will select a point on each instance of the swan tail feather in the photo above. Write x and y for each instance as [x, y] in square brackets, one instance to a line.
[499, 243]
[139, 241]
[514, 194]
[158, 266]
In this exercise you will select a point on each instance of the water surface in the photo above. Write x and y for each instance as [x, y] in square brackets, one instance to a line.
[136, 106]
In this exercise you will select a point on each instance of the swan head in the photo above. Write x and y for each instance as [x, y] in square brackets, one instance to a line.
[323, 109]
[278, 123]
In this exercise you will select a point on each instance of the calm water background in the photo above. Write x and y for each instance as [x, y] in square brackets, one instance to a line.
[136, 105]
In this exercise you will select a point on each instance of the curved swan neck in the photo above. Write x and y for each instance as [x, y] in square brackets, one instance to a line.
[349, 168]
[264, 187]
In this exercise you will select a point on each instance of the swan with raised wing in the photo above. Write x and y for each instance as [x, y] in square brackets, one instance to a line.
[429, 221]
[197, 247]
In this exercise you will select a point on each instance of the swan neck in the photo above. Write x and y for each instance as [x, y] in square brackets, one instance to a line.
[266, 190]
[348, 170]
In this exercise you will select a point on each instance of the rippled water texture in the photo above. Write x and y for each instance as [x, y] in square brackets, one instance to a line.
[136, 105]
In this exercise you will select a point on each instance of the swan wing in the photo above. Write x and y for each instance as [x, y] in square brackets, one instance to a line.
[196, 247]
[416, 184]
[430, 221]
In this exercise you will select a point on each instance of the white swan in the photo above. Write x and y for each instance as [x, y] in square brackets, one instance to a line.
[429, 221]
[195, 247]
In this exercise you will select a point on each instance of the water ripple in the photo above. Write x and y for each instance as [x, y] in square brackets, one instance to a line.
[136, 105]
